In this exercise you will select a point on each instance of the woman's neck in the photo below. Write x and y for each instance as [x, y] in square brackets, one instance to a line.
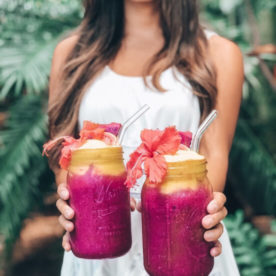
[140, 16]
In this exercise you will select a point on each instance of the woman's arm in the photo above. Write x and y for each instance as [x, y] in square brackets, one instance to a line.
[58, 61]
[217, 140]
[60, 55]
[62, 51]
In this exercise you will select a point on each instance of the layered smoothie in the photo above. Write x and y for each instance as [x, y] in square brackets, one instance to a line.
[174, 201]
[172, 232]
[98, 194]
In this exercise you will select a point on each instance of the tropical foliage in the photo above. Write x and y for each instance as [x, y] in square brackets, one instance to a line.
[24, 130]
[30, 29]
[253, 153]
[255, 254]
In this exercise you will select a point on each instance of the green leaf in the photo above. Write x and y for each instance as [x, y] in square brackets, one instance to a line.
[250, 165]
[26, 66]
[21, 161]
[253, 254]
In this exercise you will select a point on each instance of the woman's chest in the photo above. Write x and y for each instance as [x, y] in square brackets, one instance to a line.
[138, 50]
[114, 98]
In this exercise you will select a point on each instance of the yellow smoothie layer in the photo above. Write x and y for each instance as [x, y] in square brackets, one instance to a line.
[186, 170]
[105, 159]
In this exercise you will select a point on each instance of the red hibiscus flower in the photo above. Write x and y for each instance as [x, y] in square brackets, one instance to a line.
[155, 144]
[90, 130]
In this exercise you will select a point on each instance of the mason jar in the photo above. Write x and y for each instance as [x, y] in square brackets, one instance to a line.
[101, 203]
[172, 212]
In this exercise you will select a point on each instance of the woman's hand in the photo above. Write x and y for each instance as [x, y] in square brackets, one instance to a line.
[67, 213]
[212, 222]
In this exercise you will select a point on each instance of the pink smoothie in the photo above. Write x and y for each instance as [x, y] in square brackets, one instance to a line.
[102, 215]
[172, 233]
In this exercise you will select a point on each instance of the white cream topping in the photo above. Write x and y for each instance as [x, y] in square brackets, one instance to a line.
[183, 155]
[94, 144]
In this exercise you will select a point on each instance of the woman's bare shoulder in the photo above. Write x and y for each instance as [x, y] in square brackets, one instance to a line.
[224, 52]
[228, 60]
[64, 48]
[60, 55]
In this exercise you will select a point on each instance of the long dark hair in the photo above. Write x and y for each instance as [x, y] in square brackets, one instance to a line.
[99, 39]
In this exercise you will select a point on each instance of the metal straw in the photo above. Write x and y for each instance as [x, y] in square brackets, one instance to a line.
[204, 125]
[130, 121]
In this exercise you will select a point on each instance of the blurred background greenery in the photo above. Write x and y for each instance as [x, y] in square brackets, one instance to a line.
[29, 31]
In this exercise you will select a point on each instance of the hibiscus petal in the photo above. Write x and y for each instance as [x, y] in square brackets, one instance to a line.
[50, 144]
[134, 165]
[88, 130]
[151, 138]
[87, 125]
[156, 168]
[186, 138]
[69, 141]
[68, 144]
[169, 141]
[97, 133]
[65, 158]
[134, 168]
[142, 149]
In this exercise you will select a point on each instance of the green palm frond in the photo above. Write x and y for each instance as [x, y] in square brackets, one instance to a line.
[28, 38]
[246, 245]
[43, 9]
[252, 170]
[25, 68]
[30, 30]
[255, 255]
[21, 161]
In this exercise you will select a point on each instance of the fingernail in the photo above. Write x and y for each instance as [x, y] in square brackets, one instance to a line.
[214, 252]
[64, 193]
[68, 213]
[68, 227]
[208, 236]
[208, 221]
[213, 207]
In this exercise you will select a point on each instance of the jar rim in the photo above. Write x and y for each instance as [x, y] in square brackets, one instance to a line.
[188, 167]
[186, 163]
[87, 156]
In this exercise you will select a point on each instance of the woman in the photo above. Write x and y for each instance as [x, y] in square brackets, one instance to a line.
[127, 53]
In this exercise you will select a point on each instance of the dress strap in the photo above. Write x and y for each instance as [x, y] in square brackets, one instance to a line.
[209, 33]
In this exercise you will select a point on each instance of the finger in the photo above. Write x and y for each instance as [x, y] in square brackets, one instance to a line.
[65, 209]
[132, 204]
[213, 234]
[212, 220]
[216, 250]
[217, 203]
[66, 224]
[63, 191]
[139, 207]
[65, 242]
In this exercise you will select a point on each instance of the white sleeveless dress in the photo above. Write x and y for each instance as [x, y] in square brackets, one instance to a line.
[114, 98]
